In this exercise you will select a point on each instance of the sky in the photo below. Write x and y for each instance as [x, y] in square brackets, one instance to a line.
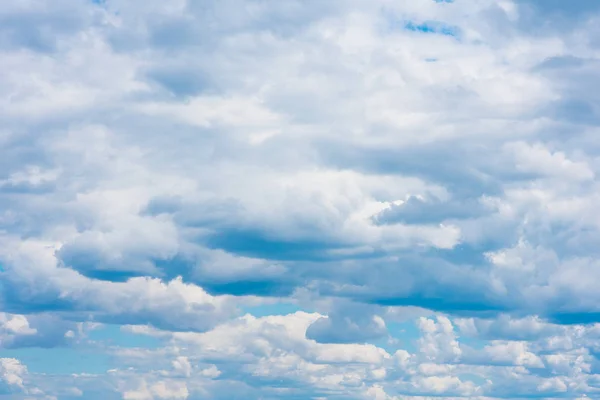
[299, 199]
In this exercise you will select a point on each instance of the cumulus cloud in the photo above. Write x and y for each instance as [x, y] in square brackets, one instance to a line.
[12, 373]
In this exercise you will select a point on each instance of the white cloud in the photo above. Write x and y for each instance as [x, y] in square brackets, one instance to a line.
[12, 372]
[158, 390]
[165, 163]
[439, 342]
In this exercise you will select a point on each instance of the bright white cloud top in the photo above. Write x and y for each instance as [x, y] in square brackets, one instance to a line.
[299, 199]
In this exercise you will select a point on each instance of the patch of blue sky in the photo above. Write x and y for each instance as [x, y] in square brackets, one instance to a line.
[476, 379]
[434, 27]
[395, 23]
[62, 360]
[404, 334]
[81, 359]
[472, 342]
[113, 335]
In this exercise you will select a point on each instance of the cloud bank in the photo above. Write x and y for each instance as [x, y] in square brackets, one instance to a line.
[258, 199]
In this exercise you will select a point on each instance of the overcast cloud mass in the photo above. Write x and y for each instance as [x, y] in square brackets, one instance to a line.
[299, 199]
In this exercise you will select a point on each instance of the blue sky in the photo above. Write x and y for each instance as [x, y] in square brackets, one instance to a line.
[301, 199]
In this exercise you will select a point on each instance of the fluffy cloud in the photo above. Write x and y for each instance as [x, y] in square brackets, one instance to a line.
[12, 374]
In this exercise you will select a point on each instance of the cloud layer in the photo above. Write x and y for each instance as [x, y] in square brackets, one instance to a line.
[301, 199]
